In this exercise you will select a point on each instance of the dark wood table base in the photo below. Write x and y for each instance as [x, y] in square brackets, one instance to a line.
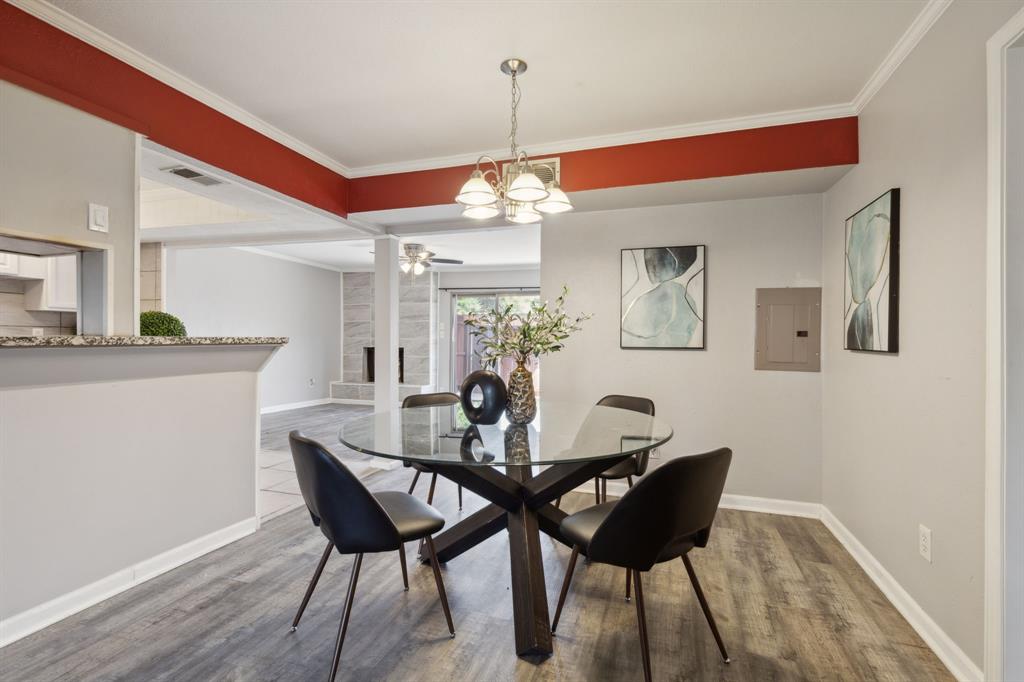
[520, 503]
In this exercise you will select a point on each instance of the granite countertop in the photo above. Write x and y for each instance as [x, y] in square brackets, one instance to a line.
[107, 341]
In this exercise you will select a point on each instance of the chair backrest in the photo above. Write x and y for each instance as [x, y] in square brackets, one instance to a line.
[637, 404]
[430, 399]
[341, 506]
[674, 504]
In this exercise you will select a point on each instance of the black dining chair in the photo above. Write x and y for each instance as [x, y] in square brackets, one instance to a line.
[634, 465]
[664, 516]
[429, 400]
[356, 521]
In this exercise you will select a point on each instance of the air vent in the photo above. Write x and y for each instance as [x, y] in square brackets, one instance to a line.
[548, 170]
[194, 176]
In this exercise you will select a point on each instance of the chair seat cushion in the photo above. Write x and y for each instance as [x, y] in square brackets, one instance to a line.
[580, 527]
[413, 517]
[626, 467]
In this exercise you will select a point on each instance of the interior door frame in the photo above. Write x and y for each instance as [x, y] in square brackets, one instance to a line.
[998, 590]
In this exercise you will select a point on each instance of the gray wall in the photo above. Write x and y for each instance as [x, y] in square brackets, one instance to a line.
[903, 436]
[713, 397]
[54, 161]
[231, 292]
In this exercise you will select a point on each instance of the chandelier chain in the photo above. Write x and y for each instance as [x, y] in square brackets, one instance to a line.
[516, 95]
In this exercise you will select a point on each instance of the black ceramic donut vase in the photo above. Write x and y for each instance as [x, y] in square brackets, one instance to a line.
[494, 397]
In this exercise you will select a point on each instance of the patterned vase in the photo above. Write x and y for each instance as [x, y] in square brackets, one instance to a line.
[521, 407]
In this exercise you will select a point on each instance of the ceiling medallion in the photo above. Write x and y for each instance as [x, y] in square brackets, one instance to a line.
[517, 192]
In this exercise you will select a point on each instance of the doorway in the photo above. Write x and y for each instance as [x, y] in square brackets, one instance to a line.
[465, 346]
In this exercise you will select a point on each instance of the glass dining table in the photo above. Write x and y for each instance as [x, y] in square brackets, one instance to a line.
[566, 445]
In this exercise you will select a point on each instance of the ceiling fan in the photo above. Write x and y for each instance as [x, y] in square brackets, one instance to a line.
[417, 258]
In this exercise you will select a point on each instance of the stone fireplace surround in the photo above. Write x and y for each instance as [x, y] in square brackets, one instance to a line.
[417, 335]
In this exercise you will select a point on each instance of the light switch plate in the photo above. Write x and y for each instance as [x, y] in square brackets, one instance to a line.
[99, 218]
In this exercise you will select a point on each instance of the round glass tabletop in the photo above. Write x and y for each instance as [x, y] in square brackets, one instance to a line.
[562, 432]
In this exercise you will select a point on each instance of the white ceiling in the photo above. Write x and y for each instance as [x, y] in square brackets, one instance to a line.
[382, 82]
[494, 249]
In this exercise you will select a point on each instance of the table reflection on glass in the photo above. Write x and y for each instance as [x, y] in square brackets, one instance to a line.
[574, 441]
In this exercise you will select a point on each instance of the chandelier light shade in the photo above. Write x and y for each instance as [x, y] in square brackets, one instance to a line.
[518, 191]
[556, 201]
[477, 191]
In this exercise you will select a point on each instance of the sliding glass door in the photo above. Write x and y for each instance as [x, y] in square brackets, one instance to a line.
[466, 346]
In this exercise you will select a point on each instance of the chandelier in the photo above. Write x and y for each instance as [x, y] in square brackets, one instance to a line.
[517, 191]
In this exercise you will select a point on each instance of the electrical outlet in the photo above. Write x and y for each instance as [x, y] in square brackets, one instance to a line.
[924, 542]
[312, 382]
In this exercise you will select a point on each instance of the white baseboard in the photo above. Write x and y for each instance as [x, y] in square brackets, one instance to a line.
[952, 656]
[294, 406]
[767, 505]
[38, 617]
[351, 401]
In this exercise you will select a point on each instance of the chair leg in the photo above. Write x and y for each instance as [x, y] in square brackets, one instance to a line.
[604, 489]
[460, 498]
[343, 626]
[558, 502]
[414, 480]
[312, 584]
[704, 606]
[597, 491]
[440, 584]
[629, 480]
[405, 571]
[641, 618]
[629, 580]
[565, 586]
[430, 492]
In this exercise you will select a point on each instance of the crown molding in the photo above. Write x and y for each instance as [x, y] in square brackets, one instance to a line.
[71, 24]
[93, 36]
[920, 26]
[617, 139]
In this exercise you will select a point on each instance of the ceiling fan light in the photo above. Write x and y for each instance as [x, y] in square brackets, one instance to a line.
[557, 202]
[481, 212]
[476, 192]
[406, 265]
[417, 268]
[527, 187]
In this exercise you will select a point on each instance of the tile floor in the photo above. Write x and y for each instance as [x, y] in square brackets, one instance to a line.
[279, 489]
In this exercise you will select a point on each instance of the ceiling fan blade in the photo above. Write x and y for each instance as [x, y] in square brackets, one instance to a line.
[452, 261]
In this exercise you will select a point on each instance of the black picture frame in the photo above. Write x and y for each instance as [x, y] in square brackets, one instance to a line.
[891, 332]
[704, 298]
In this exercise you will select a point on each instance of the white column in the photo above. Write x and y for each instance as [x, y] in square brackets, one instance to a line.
[385, 322]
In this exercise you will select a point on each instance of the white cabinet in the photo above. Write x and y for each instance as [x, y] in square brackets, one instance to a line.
[8, 264]
[58, 289]
[21, 267]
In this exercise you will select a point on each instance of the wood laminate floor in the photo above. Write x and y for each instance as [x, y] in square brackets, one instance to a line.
[791, 604]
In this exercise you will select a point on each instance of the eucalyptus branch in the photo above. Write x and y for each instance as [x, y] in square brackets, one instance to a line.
[541, 330]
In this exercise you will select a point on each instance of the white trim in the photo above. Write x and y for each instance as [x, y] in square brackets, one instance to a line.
[129, 55]
[767, 505]
[93, 36]
[351, 401]
[284, 407]
[921, 24]
[556, 147]
[137, 241]
[995, 370]
[38, 617]
[283, 256]
[952, 656]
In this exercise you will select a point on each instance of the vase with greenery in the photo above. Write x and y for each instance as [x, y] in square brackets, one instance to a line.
[506, 333]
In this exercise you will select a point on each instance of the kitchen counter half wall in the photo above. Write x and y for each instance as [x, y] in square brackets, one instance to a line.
[107, 341]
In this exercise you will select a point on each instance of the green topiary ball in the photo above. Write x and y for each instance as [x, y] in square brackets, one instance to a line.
[156, 323]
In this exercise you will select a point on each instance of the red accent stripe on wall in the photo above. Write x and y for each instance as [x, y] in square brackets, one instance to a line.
[42, 58]
[816, 144]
